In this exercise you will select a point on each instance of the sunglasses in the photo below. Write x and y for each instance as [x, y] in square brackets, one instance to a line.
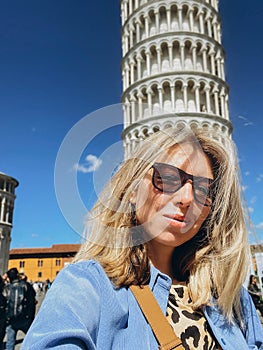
[167, 178]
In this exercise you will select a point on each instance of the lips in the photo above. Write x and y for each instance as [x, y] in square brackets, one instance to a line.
[176, 217]
[177, 221]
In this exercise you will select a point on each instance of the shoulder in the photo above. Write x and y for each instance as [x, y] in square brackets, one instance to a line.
[6, 290]
[87, 277]
[89, 269]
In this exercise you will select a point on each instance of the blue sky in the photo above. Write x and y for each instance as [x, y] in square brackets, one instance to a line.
[59, 62]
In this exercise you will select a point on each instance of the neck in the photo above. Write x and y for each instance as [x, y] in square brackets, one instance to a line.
[161, 258]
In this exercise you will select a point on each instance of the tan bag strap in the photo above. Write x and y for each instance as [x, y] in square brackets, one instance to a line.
[161, 327]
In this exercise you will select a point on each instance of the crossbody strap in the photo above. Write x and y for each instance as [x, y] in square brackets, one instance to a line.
[161, 327]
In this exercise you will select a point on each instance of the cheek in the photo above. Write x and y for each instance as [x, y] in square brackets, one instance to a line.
[147, 205]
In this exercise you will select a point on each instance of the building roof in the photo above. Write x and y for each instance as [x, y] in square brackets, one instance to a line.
[54, 249]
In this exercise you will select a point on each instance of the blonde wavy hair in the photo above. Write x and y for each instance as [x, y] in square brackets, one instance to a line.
[214, 262]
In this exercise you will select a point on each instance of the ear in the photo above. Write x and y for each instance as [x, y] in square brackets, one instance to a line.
[133, 197]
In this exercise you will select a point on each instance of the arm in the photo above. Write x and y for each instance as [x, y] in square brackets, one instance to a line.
[69, 315]
[253, 327]
[253, 291]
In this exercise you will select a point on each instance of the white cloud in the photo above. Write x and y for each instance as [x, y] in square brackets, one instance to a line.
[251, 210]
[259, 178]
[244, 188]
[35, 235]
[92, 164]
[247, 173]
[246, 122]
[259, 226]
[253, 200]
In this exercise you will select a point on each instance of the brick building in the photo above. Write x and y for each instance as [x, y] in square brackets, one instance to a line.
[40, 264]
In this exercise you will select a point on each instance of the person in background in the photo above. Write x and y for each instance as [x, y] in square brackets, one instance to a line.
[20, 309]
[171, 218]
[2, 313]
[255, 293]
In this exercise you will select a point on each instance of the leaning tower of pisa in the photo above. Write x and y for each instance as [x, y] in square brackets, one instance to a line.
[7, 199]
[172, 67]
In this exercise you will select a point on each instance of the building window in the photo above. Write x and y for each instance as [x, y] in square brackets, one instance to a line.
[39, 274]
[58, 262]
[40, 263]
[21, 264]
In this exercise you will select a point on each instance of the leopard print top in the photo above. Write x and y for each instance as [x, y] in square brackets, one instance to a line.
[189, 325]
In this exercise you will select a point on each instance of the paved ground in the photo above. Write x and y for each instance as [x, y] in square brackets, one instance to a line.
[20, 335]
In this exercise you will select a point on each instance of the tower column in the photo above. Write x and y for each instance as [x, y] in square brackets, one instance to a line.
[207, 96]
[197, 98]
[138, 35]
[146, 19]
[125, 4]
[157, 21]
[182, 55]
[170, 51]
[168, 16]
[216, 102]
[194, 56]
[180, 18]
[201, 22]
[191, 20]
[212, 60]
[222, 69]
[160, 90]
[222, 101]
[172, 97]
[2, 213]
[149, 100]
[132, 64]
[148, 62]
[131, 36]
[185, 96]
[158, 49]
[209, 28]
[140, 97]
[133, 109]
[127, 115]
[139, 67]
[127, 78]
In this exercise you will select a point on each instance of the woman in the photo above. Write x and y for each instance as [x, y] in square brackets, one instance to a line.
[255, 293]
[171, 218]
[2, 313]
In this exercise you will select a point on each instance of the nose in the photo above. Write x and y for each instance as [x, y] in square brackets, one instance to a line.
[185, 195]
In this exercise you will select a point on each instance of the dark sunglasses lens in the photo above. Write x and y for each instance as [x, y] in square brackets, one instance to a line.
[203, 194]
[166, 178]
[169, 179]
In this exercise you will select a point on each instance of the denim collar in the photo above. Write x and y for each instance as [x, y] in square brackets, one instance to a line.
[161, 278]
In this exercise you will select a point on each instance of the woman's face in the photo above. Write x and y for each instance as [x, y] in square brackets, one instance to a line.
[170, 214]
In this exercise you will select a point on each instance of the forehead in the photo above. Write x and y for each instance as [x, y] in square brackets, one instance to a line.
[188, 157]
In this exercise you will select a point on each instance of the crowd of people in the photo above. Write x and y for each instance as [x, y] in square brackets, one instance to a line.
[17, 306]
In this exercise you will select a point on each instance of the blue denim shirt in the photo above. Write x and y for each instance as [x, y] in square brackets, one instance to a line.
[83, 310]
